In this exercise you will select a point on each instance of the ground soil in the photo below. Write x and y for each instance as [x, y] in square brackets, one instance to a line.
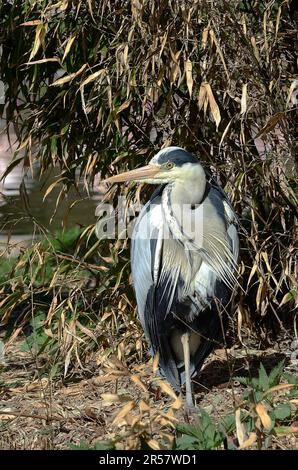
[111, 401]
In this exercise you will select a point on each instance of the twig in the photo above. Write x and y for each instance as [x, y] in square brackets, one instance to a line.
[37, 416]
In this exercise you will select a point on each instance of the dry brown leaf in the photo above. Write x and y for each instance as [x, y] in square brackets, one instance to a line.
[155, 363]
[278, 388]
[244, 100]
[188, 73]
[177, 403]
[144, 407]
[86, 330]
[42, 61]
[202, 95]
[174, 72]
[113, 361]
[255, 48]
[220, 53]
[69, 77]
[139, 383]
[72, 390]
[39, 35]
[14, 335]
[153, 444]
[31, 23]
[124, 106]
[263, 415]
[205, 36]
[239, 322]
[225, 132]
[125, 55]
[213, 105]
[63, 5]
[68, 46]
[240, 430]
[132, 420]
[249, 441]
[252, 272]
[277, 21]
[124, 411]
[166, 388]
[273, 121]
[260, 294]
[92, 77]
[39, 384]
[114, 397]
[163, 43]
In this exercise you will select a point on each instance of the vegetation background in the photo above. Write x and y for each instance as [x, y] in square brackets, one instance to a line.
[97, 86]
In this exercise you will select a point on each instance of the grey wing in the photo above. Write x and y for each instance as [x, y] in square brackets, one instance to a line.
[232, 224]
[231, 220]
[146, 253]
[154, 290]
[219, 245]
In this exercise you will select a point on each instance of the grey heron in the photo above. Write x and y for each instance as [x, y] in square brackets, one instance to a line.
[184, 262]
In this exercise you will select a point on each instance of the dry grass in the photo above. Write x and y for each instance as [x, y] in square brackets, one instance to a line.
[126, 405]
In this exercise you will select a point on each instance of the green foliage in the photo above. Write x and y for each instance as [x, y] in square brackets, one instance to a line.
[282, 411]
[208, 434]
[56, 293]
[6, 266]
[37, 341]
[99, 86]
[259, 386]
[101, 445]
[203, 436]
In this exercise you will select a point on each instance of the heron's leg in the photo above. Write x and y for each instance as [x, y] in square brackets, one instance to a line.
[186, 354]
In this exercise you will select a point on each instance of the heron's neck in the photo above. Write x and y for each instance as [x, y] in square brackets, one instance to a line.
[186, 192]
[177, 202]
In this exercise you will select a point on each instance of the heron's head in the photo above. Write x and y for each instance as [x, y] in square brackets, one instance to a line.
[171, 164]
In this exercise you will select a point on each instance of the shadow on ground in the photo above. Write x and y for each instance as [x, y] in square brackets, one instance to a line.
[219, 373]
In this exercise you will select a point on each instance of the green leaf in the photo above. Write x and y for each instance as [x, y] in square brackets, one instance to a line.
[101, 445]
[285, 429]
[242, 380]
[189, 430]
[187, 443]
[276, 373]
[202, 436]
[263, 378]
[259, 396]
[229, 423]
[282, 411]
[291, 378]
[104, 445]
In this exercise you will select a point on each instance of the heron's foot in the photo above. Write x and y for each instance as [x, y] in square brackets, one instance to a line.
[190, 411]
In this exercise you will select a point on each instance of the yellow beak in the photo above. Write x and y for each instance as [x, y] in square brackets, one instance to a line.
[143, 173]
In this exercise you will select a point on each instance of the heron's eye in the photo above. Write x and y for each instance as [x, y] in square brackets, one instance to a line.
[169, 165]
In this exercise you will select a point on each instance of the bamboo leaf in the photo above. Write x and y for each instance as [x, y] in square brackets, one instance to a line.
[68, 46]
[213, 105]
[244, 100]
[271, 124]
[240, 430]
[68, 78]
[39, 35]
[188, 73]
